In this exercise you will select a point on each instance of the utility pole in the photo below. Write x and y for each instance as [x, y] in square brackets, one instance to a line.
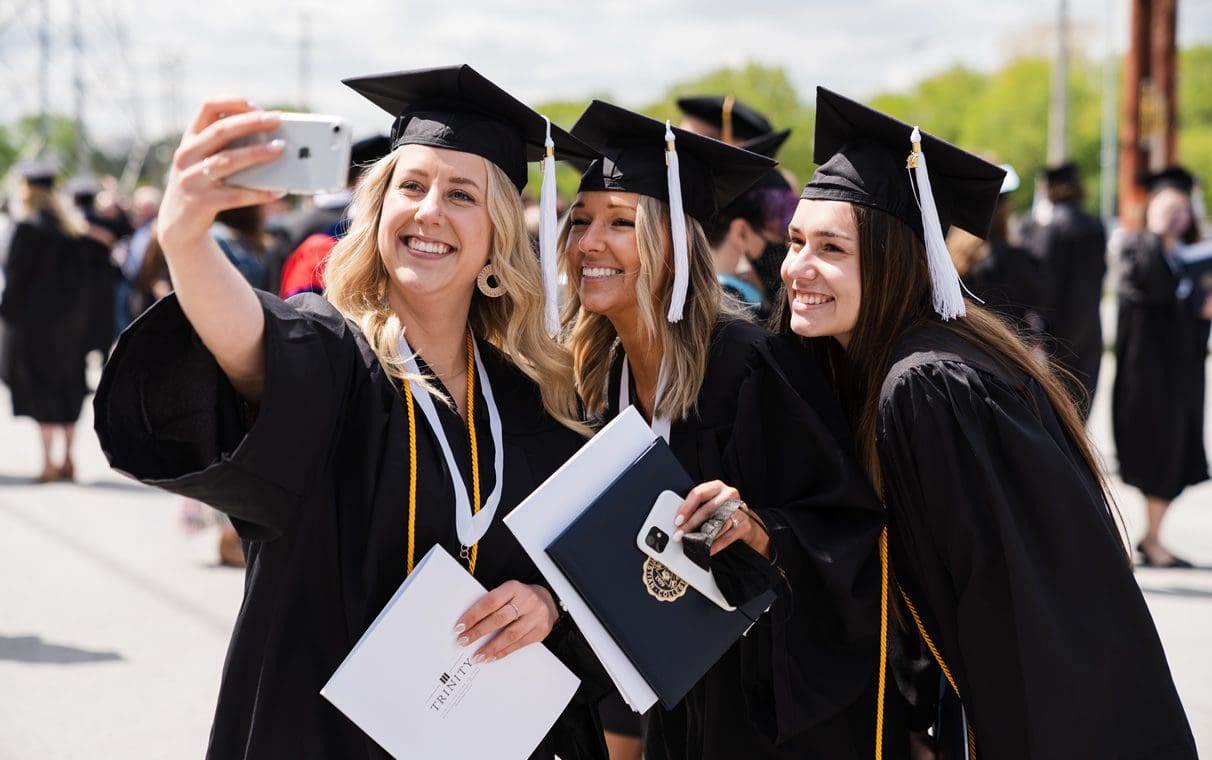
[1148, 141]
[83, 164]
[1058, 117]
[304, 61]
[1107, 153]
[44, 74]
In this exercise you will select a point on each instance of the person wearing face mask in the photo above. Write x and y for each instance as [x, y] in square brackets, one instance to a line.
[1004, 556]
[412, 406]
[1161, 345]
[751, 230]
[648, 325]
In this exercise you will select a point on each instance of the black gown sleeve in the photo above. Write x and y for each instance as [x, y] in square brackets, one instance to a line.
[167, 415]
[815, 653]
[1004, 545]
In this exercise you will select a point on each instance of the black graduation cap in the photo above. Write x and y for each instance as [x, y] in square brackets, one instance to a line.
[726, 114]
[632, 148]
[767, 144]
[82, 188]
[42, 172]
[369, 150]
[1062, 174]
[874, 160]
[1175, 177]
[455, 107]
[863, 153]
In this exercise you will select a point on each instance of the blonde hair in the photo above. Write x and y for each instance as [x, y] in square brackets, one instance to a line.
[356, 283]
[684, 346]
[34, 198]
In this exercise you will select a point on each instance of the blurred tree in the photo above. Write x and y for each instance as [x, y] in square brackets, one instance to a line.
[1195, 113]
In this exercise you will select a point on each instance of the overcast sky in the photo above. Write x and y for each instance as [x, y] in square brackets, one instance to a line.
[631, 50]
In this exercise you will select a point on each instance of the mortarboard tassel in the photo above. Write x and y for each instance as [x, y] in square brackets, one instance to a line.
[547, 236]
[677, 224]
[944, 279]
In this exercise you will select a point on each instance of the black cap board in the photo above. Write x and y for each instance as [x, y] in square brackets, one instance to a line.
[455, 107]
[767, 144]
[1175, 177]
[863, 155]
[1062, 174]
[632, 159]
[38, 172]
[747, 123]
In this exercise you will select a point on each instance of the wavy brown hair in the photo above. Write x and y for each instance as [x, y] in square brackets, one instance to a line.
[683, 345]
[356, 283]
[896, 298]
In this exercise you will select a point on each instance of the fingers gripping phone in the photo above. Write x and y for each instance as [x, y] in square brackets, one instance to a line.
[315, 158]
[655, 540]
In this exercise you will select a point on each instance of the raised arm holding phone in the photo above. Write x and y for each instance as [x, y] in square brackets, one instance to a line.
[414, 404]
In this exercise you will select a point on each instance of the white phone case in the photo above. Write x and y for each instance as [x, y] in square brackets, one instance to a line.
[671, 556]
[315, 159]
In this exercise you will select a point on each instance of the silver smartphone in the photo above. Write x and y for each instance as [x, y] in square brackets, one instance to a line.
[315, 159]
[655, 539]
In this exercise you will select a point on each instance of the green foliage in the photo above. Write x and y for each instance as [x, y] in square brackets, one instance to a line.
[1002, 114]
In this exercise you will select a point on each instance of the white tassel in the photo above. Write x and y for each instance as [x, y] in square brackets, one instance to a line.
[547, 237]
[677, 224]
[945, 282]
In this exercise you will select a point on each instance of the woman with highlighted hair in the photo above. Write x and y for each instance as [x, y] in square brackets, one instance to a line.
[751, 419]
[346, 437]
[1004, 553]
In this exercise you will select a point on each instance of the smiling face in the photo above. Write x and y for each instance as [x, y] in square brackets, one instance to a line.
[603, 252]
[821, 271]
[434, 231]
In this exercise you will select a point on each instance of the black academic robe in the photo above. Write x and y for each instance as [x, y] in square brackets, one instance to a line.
[999, 537]
[45, 306]
[1161, 347]
[317, 486]
[1009, 281]
[801, 683]
[1073, 247]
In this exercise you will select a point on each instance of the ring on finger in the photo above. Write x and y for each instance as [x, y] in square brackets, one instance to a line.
[516, 614]
[206, 171]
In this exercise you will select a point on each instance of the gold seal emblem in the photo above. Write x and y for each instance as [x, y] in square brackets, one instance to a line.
[662, 584]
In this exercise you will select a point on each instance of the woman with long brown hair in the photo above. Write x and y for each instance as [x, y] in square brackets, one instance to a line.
[1005, 552]
[648, 324]
[412, 406]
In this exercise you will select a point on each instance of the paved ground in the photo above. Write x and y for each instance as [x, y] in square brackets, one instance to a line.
[114, 621]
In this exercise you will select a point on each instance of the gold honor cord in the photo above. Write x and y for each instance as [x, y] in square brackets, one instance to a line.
[921, 629]
[469, 554]
[938, 657]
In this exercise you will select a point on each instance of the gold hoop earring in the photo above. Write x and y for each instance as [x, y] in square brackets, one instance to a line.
[488, 282]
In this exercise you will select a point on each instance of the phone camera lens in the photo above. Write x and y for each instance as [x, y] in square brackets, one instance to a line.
[656, 539]
[336, 128]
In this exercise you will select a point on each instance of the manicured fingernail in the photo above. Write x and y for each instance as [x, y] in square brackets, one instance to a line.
[460, 628]
[278, 144]
[478, 659]
[677, 536]
[463, 641]
[270, 116]
[678, 520]
[489, 659]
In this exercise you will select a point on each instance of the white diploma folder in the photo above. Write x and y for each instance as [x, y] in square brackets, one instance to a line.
[543, 515]
[409, 687]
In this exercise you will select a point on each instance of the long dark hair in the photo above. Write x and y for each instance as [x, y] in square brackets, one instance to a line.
[896, 297]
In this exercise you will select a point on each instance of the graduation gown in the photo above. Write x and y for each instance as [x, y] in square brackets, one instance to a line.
[801, 683]
[999, 537]
[45, 306]
[317, 486]
[1009, 280]
[1161, 346]
[1073, 247]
